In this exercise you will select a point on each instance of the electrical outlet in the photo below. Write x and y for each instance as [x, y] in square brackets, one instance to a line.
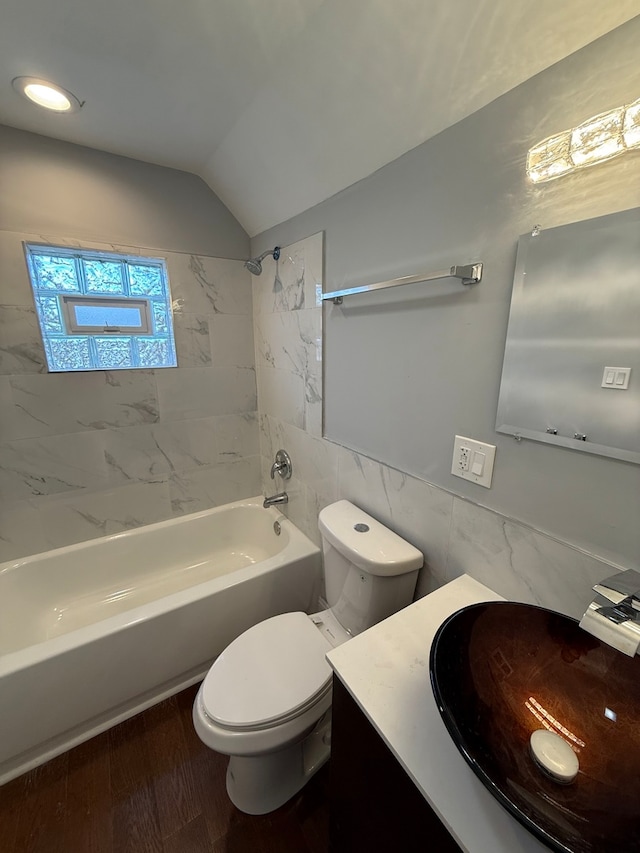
[463, 459]
[473, 460]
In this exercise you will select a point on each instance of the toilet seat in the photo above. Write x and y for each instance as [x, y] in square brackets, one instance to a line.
[270, 674]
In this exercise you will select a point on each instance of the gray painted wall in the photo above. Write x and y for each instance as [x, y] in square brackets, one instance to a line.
[463, 196]
[57, 188]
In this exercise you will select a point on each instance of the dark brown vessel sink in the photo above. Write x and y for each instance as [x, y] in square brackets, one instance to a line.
[501, 671]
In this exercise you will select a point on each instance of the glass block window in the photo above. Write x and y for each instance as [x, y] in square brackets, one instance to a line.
[101, 310]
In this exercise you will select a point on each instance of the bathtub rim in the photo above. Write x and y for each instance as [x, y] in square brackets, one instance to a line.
[252, 502]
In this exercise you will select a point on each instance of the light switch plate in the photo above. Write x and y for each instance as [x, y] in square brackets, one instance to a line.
[616, 378]
[473, 460]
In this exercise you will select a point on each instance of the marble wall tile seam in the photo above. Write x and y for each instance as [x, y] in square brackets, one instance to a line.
[54, 463]
[161, 462]
[281, 394]
[168, 444]
[207, 391]
[108, 450]
[100, 245]
[51, 505]
[201, 364]
[30, 527]
[97, 243]
[104, 513]
[21, 534]
[521, 564]
[118, 475]
[232, 340]
[538, 531]
[214, 466]
[20, 298]
[209, 286]
[295, 280]
[192, 340]
[42, 501]
[199, 283]
[21, 347]
[89, 513]
[216, 485]
[279, 295]
[265, 436]
[220, 367]
[152, 457]
[18, 294]
[306, 310]
[507, 518]
[179, 310]
[60, 403]
[289, 341]
[315, 460]
[302, 310]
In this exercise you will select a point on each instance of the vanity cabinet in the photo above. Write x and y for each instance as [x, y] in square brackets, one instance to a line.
[374, 805]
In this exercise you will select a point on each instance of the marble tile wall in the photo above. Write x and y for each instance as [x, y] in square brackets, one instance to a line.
[287, 314]
[88, 454]
[456, 535]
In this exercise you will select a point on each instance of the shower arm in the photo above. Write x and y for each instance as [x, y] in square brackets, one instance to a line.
[254, 265]
[275, 253]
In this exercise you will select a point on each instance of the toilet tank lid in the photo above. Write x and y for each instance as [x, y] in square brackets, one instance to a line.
[365, 542]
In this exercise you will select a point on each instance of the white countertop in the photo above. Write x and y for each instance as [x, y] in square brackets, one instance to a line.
[386, 670]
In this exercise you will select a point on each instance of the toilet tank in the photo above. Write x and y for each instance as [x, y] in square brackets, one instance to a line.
[370, 572]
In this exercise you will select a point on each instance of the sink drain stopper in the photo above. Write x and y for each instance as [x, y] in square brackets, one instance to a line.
[554, 756]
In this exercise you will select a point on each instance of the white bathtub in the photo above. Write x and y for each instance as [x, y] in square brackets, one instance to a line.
[94, 633]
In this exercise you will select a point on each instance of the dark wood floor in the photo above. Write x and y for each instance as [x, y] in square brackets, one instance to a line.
[150, 786]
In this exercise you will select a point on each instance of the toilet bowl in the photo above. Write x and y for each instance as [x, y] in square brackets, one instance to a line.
[267, 692]
[266, 700]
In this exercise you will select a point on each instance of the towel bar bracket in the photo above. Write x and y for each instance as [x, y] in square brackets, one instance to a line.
[470, 274]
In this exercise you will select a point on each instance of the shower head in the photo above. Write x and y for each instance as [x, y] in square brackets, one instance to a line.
[254, 265]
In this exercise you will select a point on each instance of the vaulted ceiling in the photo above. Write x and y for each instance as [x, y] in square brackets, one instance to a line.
[279, 104]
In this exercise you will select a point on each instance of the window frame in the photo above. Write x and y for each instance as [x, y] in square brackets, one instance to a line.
[67, 304]
[150, 346]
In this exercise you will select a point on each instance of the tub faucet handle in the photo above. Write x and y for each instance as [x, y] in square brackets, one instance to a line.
[282, 465]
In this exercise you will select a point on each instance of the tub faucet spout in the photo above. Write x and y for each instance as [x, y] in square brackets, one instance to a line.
[281, 498]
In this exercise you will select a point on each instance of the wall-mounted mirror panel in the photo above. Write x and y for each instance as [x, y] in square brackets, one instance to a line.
[571, 373]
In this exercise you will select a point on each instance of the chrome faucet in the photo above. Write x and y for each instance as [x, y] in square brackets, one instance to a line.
[614, 614]
[282, 465]
[281, 498]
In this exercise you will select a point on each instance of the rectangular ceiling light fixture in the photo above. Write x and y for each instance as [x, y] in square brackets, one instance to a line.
[599, 138]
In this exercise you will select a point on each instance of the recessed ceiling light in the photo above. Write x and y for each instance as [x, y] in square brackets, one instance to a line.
[46, 94]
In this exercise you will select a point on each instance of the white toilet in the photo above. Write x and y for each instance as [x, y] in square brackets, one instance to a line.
[266, 700]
